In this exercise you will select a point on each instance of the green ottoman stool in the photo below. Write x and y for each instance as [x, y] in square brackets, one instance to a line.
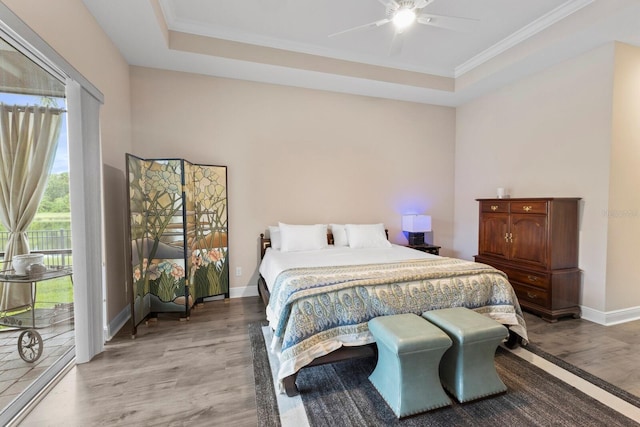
[409, 352]
[467, 370]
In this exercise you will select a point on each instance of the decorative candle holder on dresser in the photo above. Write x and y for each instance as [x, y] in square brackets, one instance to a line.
[535, 242]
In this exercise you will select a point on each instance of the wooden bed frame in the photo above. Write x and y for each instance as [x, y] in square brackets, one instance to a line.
[344, 352]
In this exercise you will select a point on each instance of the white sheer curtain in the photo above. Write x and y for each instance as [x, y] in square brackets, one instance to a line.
[28, 141]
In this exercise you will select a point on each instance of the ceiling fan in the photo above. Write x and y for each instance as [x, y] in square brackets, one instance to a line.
[403, 13]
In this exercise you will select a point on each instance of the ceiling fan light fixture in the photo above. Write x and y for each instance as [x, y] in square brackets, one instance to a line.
[403, 18]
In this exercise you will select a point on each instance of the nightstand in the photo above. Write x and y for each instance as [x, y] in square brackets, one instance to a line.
[432, 249]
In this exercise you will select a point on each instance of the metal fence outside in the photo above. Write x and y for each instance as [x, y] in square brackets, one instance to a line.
[54, 244]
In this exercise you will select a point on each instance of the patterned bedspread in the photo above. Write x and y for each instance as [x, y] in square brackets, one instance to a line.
[314, 311]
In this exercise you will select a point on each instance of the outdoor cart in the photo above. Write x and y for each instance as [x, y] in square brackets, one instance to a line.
[28, 317]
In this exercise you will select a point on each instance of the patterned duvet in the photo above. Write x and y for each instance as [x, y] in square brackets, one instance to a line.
[314, 311]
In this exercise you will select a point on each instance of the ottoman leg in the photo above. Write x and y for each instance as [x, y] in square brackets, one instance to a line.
[467, 369]
[409, 353]
[410, 382]
[469, 372]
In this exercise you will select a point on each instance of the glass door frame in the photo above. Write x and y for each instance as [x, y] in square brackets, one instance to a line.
[83, 102]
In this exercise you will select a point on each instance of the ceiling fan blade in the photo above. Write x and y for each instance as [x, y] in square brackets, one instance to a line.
[421, 4]
[396, 44]
[389, 3]
[362, 27]
[455, 23]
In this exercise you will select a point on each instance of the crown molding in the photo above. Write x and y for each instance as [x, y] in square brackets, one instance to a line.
[542, 23]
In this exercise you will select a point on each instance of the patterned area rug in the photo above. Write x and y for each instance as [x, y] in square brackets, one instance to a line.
[266, 403]
[340, 394]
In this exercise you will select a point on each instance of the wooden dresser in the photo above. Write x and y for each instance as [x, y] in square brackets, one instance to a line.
[535, 242]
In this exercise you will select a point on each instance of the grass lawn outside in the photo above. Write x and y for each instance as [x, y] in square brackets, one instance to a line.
[48, 294]
[54, 291]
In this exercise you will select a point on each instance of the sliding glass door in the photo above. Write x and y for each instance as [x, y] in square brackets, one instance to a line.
[57, 78]
[37, 307]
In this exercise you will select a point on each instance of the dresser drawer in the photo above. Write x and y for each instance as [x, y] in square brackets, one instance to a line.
[529, 207]
[532, 295]
[495, 206]
[534, 279]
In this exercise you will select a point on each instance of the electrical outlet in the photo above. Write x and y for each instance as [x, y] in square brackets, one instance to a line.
[238, 271]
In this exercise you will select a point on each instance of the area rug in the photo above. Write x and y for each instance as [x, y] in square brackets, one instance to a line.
[340, 394]
[266, 403]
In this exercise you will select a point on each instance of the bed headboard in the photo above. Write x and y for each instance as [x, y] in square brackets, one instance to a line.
[265, 242]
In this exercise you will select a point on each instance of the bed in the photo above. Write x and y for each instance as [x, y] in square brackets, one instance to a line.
[321, 287]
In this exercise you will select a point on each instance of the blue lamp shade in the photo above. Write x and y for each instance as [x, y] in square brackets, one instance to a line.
[416, 226]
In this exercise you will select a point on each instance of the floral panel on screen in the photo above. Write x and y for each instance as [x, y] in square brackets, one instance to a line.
[178, 227]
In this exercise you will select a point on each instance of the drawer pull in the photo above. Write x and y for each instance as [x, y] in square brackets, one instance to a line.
[494, 207]
[532, 295]
[527, 208]
[532, 278]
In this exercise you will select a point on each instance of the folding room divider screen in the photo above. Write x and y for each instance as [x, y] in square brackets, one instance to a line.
[178, 233]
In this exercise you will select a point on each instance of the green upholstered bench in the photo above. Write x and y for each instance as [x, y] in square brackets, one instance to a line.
[409, 352]
[467, 369]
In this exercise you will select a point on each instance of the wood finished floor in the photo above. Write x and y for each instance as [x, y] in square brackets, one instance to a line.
[200, 372]
[608, 352]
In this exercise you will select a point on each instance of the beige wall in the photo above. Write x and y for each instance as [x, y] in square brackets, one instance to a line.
[303, 156]
[624, 198]
[72, 31]
[546, 135]
[300, 156]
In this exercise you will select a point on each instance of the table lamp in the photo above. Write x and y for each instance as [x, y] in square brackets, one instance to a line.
[416, 226]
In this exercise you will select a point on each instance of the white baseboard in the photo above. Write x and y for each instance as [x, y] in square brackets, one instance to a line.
[243, 291]
[117, 323]
[609, 318]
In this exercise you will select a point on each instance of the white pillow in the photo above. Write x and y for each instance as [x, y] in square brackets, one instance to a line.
[367, 236]
[302, 237]
[274, 235]
[339, 235]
